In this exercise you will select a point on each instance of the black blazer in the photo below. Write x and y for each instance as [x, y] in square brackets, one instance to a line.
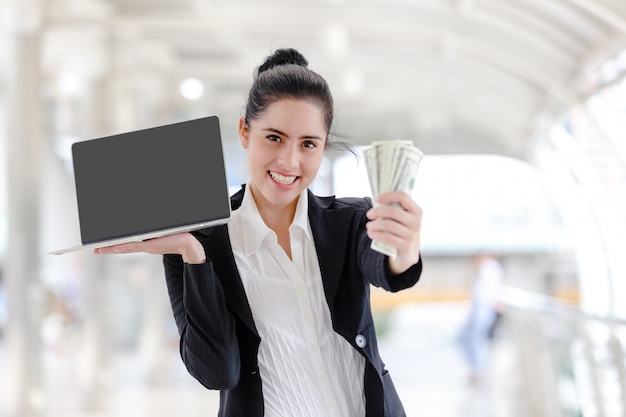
[219, 341]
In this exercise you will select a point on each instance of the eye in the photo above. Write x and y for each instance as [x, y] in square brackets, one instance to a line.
[309, 144]
[274, 138]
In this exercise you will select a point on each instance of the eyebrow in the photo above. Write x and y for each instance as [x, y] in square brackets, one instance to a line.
[271, 129]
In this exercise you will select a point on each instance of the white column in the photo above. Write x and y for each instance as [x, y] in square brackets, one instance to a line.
[94, 360]
[24, 396]
[564, 179]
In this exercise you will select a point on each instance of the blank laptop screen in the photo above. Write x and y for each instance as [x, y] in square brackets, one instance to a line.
[151, 179]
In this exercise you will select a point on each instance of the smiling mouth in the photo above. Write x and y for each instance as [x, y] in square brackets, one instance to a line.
[282, 179]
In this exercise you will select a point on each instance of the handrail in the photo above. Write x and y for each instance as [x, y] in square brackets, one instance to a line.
[550, 357]
[540, 303]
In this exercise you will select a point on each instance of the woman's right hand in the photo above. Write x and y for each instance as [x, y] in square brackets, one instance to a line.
[184, 244]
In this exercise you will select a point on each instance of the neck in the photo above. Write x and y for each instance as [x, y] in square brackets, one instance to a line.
[276, 217]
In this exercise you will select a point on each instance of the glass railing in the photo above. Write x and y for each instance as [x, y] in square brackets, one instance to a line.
[570, 363]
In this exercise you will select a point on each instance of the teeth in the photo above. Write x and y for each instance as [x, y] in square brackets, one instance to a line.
[281, 179]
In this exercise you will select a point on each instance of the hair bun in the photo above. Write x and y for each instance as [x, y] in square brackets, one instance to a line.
[283, 57]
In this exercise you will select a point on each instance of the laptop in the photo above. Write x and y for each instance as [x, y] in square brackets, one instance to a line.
[150, 183]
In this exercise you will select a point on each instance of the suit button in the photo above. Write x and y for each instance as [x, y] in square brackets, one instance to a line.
[360, 341]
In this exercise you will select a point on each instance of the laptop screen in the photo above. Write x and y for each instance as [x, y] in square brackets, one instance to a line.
[150, 180]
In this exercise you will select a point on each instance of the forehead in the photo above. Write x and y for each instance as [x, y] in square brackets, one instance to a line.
[293, 113]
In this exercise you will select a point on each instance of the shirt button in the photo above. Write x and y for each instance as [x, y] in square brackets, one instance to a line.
[360, 341]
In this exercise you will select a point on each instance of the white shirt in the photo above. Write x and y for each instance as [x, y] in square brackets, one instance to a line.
[307, 370]
[488, 285]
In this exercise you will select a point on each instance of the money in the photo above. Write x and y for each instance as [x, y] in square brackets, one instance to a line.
[391, 166]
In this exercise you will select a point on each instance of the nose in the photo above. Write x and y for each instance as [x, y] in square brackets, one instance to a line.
[288, 157]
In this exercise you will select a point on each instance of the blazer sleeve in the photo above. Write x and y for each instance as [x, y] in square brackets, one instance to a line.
[208, 340]
[375, 266]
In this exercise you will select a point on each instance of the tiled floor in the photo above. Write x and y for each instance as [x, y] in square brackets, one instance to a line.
[418, 347]
[428, 369]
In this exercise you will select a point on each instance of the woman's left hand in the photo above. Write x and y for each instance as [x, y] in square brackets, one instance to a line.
[398, 227]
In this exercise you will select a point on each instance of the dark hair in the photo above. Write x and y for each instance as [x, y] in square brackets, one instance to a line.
[285, 74]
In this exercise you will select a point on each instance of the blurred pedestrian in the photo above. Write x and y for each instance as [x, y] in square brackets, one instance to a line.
[478, 330]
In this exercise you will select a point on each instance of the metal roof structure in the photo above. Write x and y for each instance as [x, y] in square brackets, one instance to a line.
[475, 76]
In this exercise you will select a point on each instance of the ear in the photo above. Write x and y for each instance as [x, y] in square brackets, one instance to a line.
[243, 132]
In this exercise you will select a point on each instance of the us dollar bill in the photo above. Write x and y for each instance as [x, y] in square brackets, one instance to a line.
[405, 175]
[391, 166]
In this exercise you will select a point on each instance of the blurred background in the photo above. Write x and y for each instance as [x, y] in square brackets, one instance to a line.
[518, 105]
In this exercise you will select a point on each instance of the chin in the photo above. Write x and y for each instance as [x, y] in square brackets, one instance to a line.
[286, 197]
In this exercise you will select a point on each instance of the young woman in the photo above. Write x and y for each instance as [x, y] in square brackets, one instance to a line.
[273, 308]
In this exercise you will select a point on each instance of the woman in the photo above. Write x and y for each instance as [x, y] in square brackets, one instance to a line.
[273, 308]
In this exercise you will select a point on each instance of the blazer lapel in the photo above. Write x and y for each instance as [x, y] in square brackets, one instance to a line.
[219, 250]
[330, 229]
[216, 242]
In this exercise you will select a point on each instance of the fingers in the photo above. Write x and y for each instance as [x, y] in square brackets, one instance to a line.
[402, 236]
[388, 226]
[396, 221]
[395, 207]
[159, 246]
[183, 244]
[399, 197]
[133, 247]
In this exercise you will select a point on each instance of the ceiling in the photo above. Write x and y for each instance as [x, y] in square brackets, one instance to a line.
[456, 76]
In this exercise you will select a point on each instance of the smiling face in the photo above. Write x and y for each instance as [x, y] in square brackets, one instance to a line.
[285, 146]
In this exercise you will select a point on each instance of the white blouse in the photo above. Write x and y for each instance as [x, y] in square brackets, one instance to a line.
[307, 370]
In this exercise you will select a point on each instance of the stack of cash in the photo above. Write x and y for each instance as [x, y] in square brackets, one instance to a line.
[391, 166]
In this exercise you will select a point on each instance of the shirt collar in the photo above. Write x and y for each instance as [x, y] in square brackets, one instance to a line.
[255, 228]
[301, 218]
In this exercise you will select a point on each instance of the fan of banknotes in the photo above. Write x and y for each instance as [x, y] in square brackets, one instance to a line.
[391, 166]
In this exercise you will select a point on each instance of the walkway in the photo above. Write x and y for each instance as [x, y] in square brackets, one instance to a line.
[418, 346]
